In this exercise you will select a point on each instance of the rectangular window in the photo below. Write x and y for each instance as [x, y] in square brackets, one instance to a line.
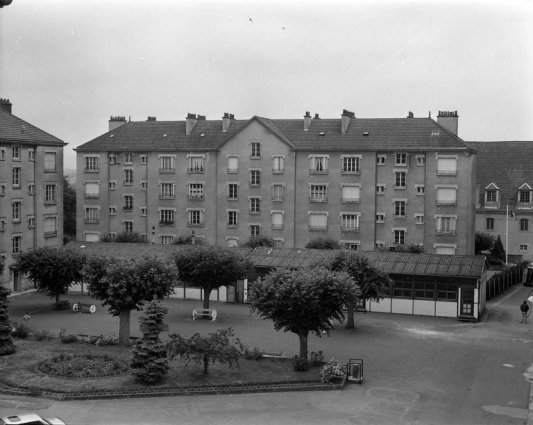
[278, 164]
[277, 220]
[399, 237]
[92, 190]
[233, 218]
[16, 172]
[2, 154]
[403, 289]
[444, 250]
[490, 224]
[16, 244]
[112, 185]
[399, 179]
[349, 222]
[112, 159]
[380, 217]
[350, 194]
[50, 193]
[16, 210]
[419, 218]
[255, 230]
[144, 211]
[128, 226]
[195, 191]
[233, 164]
[2, 224]
[445, 225]
[380, 189]
[196, 164]
[31, 155]
[16, 153]
[255, 150]
[277, 192]
[446, 291]
[318, 165]
[50, 162]
[128, 203]
[166, 216]
[524, 224]
[31, 188]
[3, 189]
[425, 291]
[523, 247]
[446, 196]
[318, 193]
[167, 240]
[128, 158]
[167, 190]
[91, 163]
[524, 197]
[255, 178]
[144, 159]
[128, 177]
[351, 164]
[420, 189]
[31, 222]
[420, 161]
[144, 185]
[50, 226]
[399, 208]
[491, 196]
[195, 218]
[318, 222]
[447, 166]
[92, 215]
[233, 191]
[255, 205]
[166, 164]
[380, 159]
[112, 210]
[400, 159]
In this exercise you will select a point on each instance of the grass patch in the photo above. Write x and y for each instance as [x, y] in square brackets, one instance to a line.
[21, 370]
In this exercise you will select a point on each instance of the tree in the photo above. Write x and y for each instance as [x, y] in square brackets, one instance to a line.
[373, 283]
[189, 240]
[127, 285]
[6, 341]
[52, 270]
[259, 241]
[210, 267]
[69, 211]
[125, 237]
[484, 242]
[498, 251]
[149, 362]
[219, 347]
[323, 243]
[303, 301]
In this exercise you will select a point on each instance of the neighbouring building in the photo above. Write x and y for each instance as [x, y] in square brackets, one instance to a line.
[368, 183]
[31, 191]
[505, 194]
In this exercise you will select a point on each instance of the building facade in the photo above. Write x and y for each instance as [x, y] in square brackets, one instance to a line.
[31, 192]
[365, 182]
[504, 201]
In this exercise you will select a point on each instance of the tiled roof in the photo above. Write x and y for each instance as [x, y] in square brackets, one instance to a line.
[15, 130]
[363, 134]
[507, 164]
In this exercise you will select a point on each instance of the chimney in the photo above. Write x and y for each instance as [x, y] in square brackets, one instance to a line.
[5, 104]
[410, 115]
[151, 119]
[190, 122]
[226, 121]
[317, 117]
[307, 120]
[449, 120]
[345, 120]
[116, 122]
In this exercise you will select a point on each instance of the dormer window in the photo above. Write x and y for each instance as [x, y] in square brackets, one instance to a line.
[524, 195]
[492, 196]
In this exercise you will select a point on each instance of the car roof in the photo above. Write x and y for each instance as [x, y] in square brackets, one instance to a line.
[21, 419]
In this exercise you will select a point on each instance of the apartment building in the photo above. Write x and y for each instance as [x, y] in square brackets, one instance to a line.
[31, 191]
[504, 201]
[365, 182]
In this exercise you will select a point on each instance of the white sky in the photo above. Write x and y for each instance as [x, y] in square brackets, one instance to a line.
[68, 65]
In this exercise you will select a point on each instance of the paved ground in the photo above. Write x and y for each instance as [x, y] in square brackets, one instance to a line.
[418, 370]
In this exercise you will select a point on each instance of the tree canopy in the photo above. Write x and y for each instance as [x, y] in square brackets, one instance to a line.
[303, 301]
[210, 267]
[69, 210]
[484, 242]
[498, 250]
[52, 270]
[126, 285]
[259, 241]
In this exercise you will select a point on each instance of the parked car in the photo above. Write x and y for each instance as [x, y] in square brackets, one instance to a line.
[30, 419]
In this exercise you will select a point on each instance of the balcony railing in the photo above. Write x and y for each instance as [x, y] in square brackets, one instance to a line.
[195, 224]
[195, 170]
[446, 172]
[233, 170]
[315, 171]
[92, 170]
[444, 232]
[166, 222]
[167, 196]
[92, 195]
[277, 227]
[318, 199]
[278, 170]
[349, 228]
[127, 208]
[277, 198]
[351, 200]
[197, 197]
[441, 202]
[167, 170]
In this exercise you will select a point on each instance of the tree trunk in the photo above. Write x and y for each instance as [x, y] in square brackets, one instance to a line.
[207, 294]
[303, 344]
[124, 328]
[350, 320]
[206, 364]
[57, 298]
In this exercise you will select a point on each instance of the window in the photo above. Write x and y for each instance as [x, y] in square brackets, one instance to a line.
[399, 179]
[50, 193]
[277, 220]
[166, 190]
[92, 190]
[112, 210]
[349, 222]
[445, 250]
[31, 155]
[50, 226]
[167, 240]
[318, 164]
[490, 224]
[399, 208]
[491, 196]
[380, 217]
[196, 164]
[2, 224]
[352, 246]
[350, 193]
[233, 191]
[278, 164]
[144, 211]
[92, 214]
[16, 153]
[399, 237]
[195, 217]
[419, 218]
[255, 230]
[277, 192]
[420, 189]
[318, 221]
[255, 205]
[50, 162]
[166, 164]
[447, 166]
[2, 154]
[524, 224]
[94, 236]
[425, 290]
[31, 221]
[445, 225]
[16, 176]
[233, 218]
[144, 185]
[523, 247]
[128, 203]
[420, 160]
[524, 197]
[380, 159]
[255, 150]
[446, 196]
[195, 191]
[400, 159]
[351, 164]
[255, 178]
[318, 193]
[112, 185]
[403, 289]
[144, 159]
[128, 158]
[380, 189]
[16, 244]
[31, 188]
[3, 189]
[166, 216]
[112, 159]
[446, 291]
[128, 177]
[16, 210]
[91, 163]
[128, 226]
[233, 164]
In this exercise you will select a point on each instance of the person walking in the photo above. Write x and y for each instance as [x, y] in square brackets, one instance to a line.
[524, 308]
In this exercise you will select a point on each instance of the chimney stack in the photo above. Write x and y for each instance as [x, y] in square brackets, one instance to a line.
[307, 121]
[449, 120]
[5, 104]
[346, 117]
[151, 119]
[190, 122]
[410, 115]
[116, 122]
[317, 117]
[226, 121]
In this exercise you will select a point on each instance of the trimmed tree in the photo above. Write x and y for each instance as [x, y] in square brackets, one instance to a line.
[149, 362]
[303, 301]
[484, 242]
[373, 283]
[6, 341]
[210, 267]
[69, 211]
[498, 251]
[126, 285]
[52, 270]
[323, 243]
[260, 241]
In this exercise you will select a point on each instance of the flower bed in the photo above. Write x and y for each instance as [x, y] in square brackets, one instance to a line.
[68, 365]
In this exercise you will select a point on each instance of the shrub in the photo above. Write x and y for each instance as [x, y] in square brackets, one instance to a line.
[259, 241]
[83, 366]
[323, 243]
[317, 358]
[300, 365]
[6, 340]
[41, 335]
[102, 341]
[252, 354]
[187, 240]
[67, 338]
[332, 370]
[62, 305]
[20, 330]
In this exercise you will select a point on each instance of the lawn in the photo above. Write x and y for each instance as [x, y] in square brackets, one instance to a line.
[20, 370]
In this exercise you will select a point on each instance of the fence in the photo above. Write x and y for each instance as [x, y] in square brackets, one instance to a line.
[501, 282]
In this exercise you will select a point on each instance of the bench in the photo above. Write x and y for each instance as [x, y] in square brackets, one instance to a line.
[273, 354]
[91, 307]
[203, 312]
